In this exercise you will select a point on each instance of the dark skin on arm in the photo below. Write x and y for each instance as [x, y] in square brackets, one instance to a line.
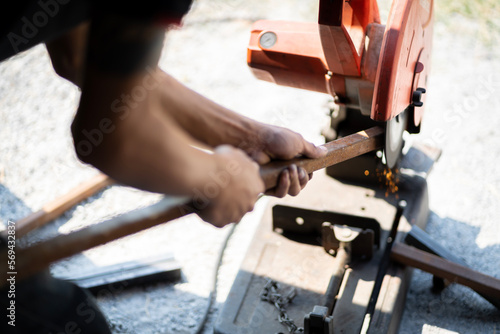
[151, 144]
[67, 53]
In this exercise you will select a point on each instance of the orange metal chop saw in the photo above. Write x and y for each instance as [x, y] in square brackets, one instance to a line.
[320, 263]
[378, 70]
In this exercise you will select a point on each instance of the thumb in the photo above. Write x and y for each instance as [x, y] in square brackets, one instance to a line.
[260, 157]
[312, 151]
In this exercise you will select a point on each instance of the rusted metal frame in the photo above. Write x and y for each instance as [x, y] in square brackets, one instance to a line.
[57, 207]
[37, 257]
[443, 268]
[419, 239]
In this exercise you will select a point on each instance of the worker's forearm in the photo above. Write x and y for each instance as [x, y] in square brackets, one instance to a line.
[158, 160]
[206, 120]
[138, 144]
[67, 53]
[163, 163]
[142, 148]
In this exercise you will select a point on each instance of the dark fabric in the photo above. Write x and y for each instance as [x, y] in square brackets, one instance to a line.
[39, 21]
[147, 9]
[42, 304]
[30, 22]
[45, 305]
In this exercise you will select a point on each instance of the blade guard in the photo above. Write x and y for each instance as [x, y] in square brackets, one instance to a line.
[320, 57]
[404, 59]
[313, 56]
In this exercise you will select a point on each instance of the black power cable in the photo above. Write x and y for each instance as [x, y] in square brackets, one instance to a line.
[213, 292]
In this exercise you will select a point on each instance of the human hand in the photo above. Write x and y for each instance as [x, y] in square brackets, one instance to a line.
[235, 188]
[280, 143]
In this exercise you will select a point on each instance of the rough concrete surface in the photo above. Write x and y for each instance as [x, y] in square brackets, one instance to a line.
[208, 54]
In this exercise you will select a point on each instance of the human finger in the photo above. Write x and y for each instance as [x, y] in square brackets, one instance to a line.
[312, 151]
[260, 157]
[303, 177]
[281, 190]
[295, 186]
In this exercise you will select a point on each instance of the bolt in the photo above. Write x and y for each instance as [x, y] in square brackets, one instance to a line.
[417, 97]
[346, 232]
[419, 67]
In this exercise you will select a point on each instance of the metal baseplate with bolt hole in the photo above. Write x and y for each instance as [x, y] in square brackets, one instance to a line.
[320, 256]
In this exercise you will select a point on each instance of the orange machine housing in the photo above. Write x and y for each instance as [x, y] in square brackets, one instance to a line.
[350, 55]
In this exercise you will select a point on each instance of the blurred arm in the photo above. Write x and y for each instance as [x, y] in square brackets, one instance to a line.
[67, 53]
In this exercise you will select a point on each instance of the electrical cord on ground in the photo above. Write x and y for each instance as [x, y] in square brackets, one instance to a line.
[213, 292]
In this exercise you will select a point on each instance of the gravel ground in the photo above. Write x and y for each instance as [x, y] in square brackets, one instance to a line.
[208, 54]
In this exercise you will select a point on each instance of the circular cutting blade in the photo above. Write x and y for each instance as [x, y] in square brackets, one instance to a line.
[394, 138]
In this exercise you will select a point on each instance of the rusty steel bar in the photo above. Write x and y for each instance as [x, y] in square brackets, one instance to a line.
[37, 257]
[339, 150]
[481, 283]
[60, 205]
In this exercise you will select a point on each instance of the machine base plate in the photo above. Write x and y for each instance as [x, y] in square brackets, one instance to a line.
[308, 268]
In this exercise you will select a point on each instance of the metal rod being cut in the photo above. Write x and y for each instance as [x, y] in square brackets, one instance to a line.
[339, 150]
[37, 257]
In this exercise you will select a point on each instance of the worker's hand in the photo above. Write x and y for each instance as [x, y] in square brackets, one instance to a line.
[280, 143]
[233, 190]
